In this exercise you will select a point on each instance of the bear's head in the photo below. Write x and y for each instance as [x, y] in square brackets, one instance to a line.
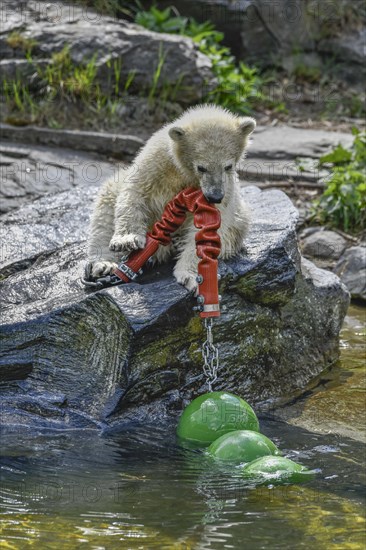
[207, 143]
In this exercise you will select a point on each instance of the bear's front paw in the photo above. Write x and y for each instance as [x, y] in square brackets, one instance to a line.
[187, 279]
[100, 269]
[127, 243]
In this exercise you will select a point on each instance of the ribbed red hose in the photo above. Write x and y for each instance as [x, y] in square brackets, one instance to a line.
[207, 220]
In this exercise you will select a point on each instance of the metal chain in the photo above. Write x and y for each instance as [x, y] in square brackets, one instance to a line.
[210, 354]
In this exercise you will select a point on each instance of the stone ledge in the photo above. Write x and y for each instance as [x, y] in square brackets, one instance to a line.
[116, 145]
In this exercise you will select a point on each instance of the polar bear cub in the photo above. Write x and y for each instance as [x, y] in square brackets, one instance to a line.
[201, 149]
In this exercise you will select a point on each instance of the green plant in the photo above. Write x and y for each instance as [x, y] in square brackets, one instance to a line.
[356, 106]
[63, 77]
[18, 96]
[117, 67]
[157, 74]
[129, 80]
[343, 203]
[161, 20]
[114, 76]
[18, 41]
[238, 86]
[350, 104]
[113, 8]
[61, 84]
[305, 73]
[52, 123]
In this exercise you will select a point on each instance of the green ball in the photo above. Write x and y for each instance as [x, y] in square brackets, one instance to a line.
[214, 414]
[271, 470]
[242, 446]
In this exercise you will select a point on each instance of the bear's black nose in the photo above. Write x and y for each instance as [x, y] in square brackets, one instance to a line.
[214, 196]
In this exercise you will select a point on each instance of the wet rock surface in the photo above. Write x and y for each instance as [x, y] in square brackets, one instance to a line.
[74, 357]
[324, 245]
[351, 268]
[30, 171]
[342, 254]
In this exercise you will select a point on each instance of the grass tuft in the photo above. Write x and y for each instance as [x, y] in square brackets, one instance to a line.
[18, 41]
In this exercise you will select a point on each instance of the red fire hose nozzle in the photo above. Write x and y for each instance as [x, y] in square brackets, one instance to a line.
[207, 220]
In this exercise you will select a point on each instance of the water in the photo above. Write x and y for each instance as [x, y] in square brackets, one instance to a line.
[139, 489]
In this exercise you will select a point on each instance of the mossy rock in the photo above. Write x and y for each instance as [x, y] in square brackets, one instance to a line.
[214, 414]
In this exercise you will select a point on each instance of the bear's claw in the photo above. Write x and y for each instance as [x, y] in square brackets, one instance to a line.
[127, 243]
[101, 269]
[187, 279]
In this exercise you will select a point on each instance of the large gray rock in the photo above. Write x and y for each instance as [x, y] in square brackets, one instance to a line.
[267, 32]
[283, 152]
[73, 357]
[323, 245]
[284, 142]
[30, 171]
[44, 226]
[88, 34]
[351, 268]
[351, 46]
[256, 29]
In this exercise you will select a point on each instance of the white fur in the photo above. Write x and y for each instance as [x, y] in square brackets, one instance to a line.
[208, 137]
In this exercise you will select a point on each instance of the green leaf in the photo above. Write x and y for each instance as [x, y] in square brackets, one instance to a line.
[339, 155]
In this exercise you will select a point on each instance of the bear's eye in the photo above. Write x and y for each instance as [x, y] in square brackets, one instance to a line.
[228, 167]
[202, 169]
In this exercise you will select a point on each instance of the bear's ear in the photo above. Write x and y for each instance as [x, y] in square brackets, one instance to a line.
[246, 125]
[176, 133]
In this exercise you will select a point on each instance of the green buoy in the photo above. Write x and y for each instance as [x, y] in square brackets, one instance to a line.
[270, 470]
[214, 414]
[242, 446]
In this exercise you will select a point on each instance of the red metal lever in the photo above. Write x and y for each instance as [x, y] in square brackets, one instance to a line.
[207, 220]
